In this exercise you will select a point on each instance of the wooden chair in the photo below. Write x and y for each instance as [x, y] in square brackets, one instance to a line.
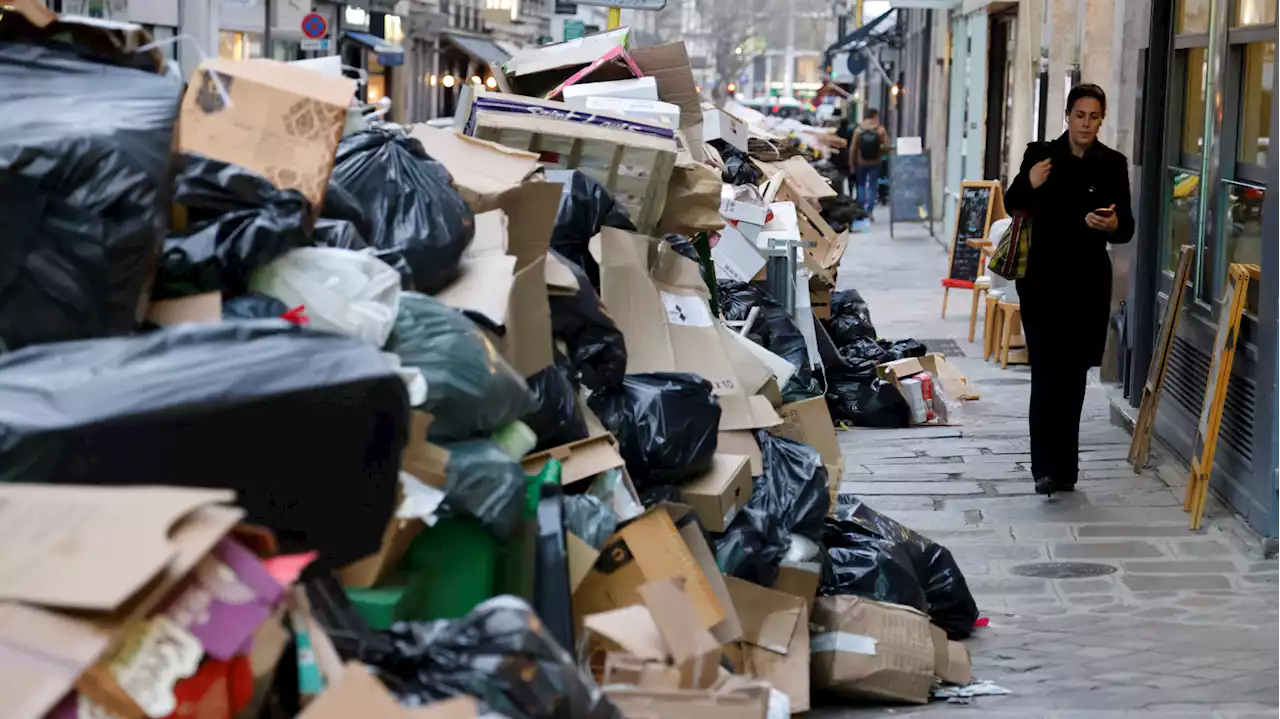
[982, 286]
[1010, 318]
[990, 327]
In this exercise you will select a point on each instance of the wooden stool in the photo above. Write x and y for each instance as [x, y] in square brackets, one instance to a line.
[1010, 317]
[990, 327]
[980, 287]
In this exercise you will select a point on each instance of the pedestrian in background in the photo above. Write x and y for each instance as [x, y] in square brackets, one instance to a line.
[842, 159]
[866, 153]
[1076, 192]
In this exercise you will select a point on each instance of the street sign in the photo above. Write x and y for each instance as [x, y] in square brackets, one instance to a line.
[314, 26]
[627, 4]
[313, 45]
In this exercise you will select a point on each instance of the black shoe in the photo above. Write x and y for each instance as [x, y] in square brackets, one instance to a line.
[1064, 486]
[1046, 486]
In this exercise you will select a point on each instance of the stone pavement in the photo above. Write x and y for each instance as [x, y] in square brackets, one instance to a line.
[1185, 623]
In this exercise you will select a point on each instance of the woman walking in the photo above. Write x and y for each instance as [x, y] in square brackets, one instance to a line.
[1076, 192]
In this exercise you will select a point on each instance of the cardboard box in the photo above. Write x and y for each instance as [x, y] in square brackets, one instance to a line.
[871, 650]
[660, 113]
[719, 494]
[283, 122]
[108, 554]
[823, 259]
[639, 88]
[812, 186]
[951, 660]
[720, 125]
[670, 67]
[775, 629]
[953, 381]
[692, 199]
[544, 70]
[735, 256]
[358, 693]
[742, 442]
[695, 540]
[637, 703]
[509, 253]
[809, 422]
[570, 139]
[898, 370]
[800, 579]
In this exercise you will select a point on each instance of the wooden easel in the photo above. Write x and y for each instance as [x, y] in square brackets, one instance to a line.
[994, 211]
[1140, 447]
[1215, 395]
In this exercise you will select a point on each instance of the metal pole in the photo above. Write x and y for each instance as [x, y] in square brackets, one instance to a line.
[266, 31]
[1210, 153]
[615, 18]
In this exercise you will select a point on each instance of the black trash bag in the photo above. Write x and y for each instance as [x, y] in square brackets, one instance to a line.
[585, 208]
[337, 233]
[804, 384]
[850, 318]
[869, 566]
[863, 348]
[842, 209]
[774, 328]
[471, 390]
[307, 427]
[558, 417]
[665, 423]
[410, 206]
[253, 306]
[500, 653]
[902, 349]
[597, 349]
[590, 519]
[84, 191]
[945, 593]
[483, 482]
[753, 547]
[738, 168]
[794, 486]
[859, 397]
[237, 221]
[651, 497]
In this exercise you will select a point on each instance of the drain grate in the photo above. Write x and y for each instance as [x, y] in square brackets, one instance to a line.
[950, 348]
[1063, 570]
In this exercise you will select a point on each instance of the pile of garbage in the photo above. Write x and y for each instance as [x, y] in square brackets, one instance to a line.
[307, 415]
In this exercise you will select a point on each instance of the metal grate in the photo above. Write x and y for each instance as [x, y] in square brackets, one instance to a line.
[1188, 374]
[950, 348]
[1062, 570]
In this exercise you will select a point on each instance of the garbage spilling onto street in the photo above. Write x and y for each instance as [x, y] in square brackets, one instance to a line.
[301, 416]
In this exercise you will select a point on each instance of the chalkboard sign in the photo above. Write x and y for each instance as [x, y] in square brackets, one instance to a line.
[979, 203]
[910, 190]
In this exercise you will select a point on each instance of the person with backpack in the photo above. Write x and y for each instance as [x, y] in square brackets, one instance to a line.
[842, 157]
[866, 154]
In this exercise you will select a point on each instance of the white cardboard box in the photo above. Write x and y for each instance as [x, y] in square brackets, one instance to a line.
[663, 113]
[640, 88]
[720, 125]
[735, 256]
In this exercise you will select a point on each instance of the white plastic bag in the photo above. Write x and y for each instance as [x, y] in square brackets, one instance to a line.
[345, 291]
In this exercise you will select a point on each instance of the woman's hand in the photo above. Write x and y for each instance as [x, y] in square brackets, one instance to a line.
[1107, 222]
[1040, 173]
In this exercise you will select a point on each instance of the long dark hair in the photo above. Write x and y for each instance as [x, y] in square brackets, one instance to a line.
[1086, 90]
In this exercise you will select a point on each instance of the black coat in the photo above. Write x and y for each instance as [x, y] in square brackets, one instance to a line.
[1066, 293]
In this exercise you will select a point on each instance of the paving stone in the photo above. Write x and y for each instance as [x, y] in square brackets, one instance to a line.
[1261, 579]
[1093, 600]
[1121, 453]
[1090, 585]
[1106, 550]
[928, 466]
[1008, 585]
[1024, 552]
[882, 436]
[1201, 549]
[1270, 566]
[1207, 566]
[1027, 532]
[911, 488]
[872, 459]
[1101, 531]
[1172, 583]
[905, 477]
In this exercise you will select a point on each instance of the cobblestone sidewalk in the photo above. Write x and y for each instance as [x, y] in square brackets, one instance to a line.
[1185, 625]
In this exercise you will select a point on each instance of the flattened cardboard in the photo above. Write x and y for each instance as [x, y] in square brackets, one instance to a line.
[752, 371]
[693, 200]
[90, 548]
[811, 185]
[718, 495]
[284, 122]
[640, 88]
[482, 170]
[800, 579]
[809, 422]
[669, 65]
[692, 648]
[951, 660]
[871, 650]
[357, 694]
[742, 442]
[646, 549]
[630, 629]
[581, 460]
[486, 277]
[205, 308]
[456, 708]
[635, 703]
[775, 628]
[686, 521]
[582, 557]
[46, 652]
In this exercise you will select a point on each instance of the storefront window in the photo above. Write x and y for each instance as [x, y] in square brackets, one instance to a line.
[1193, 17]
[1256, 98]
[1242, 229]
[1183, 213]
[1254, 12]
[1193, 102]
[239, 45]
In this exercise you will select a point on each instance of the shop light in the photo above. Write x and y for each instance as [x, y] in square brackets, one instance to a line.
[447, 81]
[732, 87]
[491, 83]
[894, 90]
[475, 79]
[356, 16]
[433, 80]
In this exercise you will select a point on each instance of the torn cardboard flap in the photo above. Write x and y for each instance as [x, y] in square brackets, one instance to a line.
[742, 442]
[669, 65]
[560, 278]
[872, 650]
[775, 628]
[204, 308]
[581, 557]
[481, 170]
[686, 521]
[579, 460]
[718, 495]
[642, 703]
[358, 694]
[692, 649]
[89, 547]
[953, 381]
[631, 629]
[809, 422]
[811, 185]
[951, 660]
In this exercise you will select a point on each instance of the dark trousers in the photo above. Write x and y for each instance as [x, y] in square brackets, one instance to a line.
[1058, 379]
[868, 181]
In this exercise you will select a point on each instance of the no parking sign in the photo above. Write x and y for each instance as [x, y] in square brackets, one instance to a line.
[314, 28]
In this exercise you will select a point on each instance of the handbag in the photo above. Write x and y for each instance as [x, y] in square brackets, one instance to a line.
[1010, 258]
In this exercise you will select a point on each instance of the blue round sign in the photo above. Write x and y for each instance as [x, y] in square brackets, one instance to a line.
[314, 26]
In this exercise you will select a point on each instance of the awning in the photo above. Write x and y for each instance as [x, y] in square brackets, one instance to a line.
[860, 35]
[389, 54]
[486, 52]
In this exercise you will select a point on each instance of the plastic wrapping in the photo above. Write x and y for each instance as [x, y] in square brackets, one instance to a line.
[307, 427]
[84, 192]
[850, 318]
[471, 390]
[596, 348]
[590, 518]
[558, 417]
[877, 557]
[253, 306]
[666, 424]
[343, 290]
[585, 207]
[773, 329]
[753, 547]
[863, 348]
[794, 485]
[235, 222]
[408, 204]
[485, 483]
[902, 349]
[610, 488]
[738, 169]
[501, 653]
[859, 397]
[338, 233]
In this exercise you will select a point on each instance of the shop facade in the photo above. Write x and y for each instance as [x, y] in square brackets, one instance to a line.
[1206, 176]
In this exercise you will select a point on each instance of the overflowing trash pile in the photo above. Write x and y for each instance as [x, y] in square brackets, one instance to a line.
[307, 416]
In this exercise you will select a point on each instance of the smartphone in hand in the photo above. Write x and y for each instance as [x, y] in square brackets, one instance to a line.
[1104, 212]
